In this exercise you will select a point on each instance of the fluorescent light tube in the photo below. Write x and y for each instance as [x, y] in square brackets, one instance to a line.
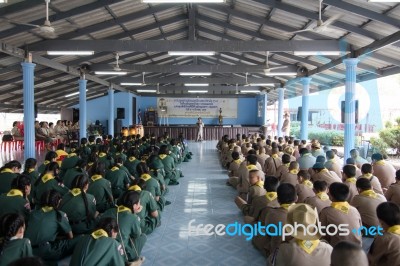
[70, 52]
[281, 74]
[3, 1]
[131, 84]
[183, 1]
[119, 73]
[385, 1]
[149, 91]
[198, 91]
[196, 84]
[250, 91]
[72, 94]
[317, 53]
[192, 53]
[262, 84]
[195, 73]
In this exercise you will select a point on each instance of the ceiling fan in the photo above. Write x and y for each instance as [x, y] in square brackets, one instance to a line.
[320, 26]
[117, 67]
[47, 30]
[268, 69]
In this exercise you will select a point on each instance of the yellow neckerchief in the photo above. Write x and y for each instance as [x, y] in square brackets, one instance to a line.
[307, 245]
[135, 188]
[367, 176]
[132, 158]
[7, 170]
[15, 192]
[342, 206]
[395, 229]
[308, 183]
[145, 177]
[324, 170]
[30, 170]
[322, 196]
[92, 143]
[96, 177]
[114, 168]
[99, 233]
[275, 156]
[71, 155]
[380, 162]
[117, 153]
[47, 209]
[162, 156]
[332, 160]
[238, 161]
[369, 193]
[90, 164]
[46, 162]
[351, 180]
[294, 171]
[306, 155]
[47, 177]
[287, 165]
[259, 184]
[286, 205]
[122, 208]
[271, 196]
[76, 191]
[102, 154]
[251, 167]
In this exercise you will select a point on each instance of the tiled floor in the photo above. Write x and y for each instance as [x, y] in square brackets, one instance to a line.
[201, 196]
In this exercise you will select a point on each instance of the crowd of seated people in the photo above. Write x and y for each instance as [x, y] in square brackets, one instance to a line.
[288, 181]
[94, 202]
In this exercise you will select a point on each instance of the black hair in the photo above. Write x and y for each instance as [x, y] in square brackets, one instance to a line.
[339, 191]
[80, 181]
[235, 155]
[109, 225]
[50, 156]
[20, 182]
[377, 157]
[129, 198]
[271, 183]
[364, 184]
[118, 160]
[10, 224]
[320, 159]
[389, 212]
[11, 164]
[252, 152]
[163, 149]
[51, 167]
[99, 168]
[303, 151]
[29, 164]
[91, 138]
[286, 193]
[84, 141]
[15, 123]
[31, 261]
[320, 185]
[366, 168]
[51, 198]
[285, 158]
[398, 175]
[304, 174]
[142, 168]
[349, 170]
[252, 159]
[350, 161]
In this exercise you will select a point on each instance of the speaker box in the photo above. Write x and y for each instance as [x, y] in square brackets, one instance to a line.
[35, 108]
[300, 111]
[117, 127]
[343, 111]
[120, 113]
[75, 115]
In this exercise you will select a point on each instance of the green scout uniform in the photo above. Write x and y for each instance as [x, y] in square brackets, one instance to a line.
[69, 162]
[84, 151]
[156, 174]
[91, 145]
[73, 205]
[169, 166]
[15, 249]
[42, 167]
[131, 164]
[34, 175]
[14, 202]
[175, 150]
[98, 249]
[43, 228]
[108, 162]
[147, 222]
[157, 165]
[70, 175]
[153, 187]
[123, 168]
[119, 181]
[6, 177]
[47, 182]
[100, 188]
[130, 231]
[120, 155]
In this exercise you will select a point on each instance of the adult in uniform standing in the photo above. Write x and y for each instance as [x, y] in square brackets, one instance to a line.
[286, 125]
[200, 129]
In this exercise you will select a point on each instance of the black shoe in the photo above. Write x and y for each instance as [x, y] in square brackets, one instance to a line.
[173, 183]
[167, 203]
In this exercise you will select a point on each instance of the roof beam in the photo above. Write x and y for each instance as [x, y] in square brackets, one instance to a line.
[182, 80]
[21, 107]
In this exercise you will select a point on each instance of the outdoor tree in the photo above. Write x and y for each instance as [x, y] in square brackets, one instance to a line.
[391, 135]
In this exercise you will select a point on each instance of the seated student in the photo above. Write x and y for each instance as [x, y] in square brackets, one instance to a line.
[304, 188]
[16, 200]
[393, 192]
[70, 161]
[304, 248]
[119, 180]
[352, 162]
[7, 173]
[349, 179]
[366, 170]
[51, 156]
[130, 234]
[61, 153]
[291, 175]
[383, 170]
[91, 142]
[340, 212]
[105, 156]
[132, 161]
[49, 230]
[243, 181]
[272, 163]
[331, 164]
[321, 198]
[91, 163]
[346, 253]
[320, 173]
[355, 155]
[30, 170]
[306, 160]
[286, 197]
[256, 190]
[284, 167]
[80, 206]
[157, 171]
[101, 241]
[48, 180]
[171, 172]
[71, 173]
[120, 164]
[175, 151]
[152, 184]
[100, 188]
[385, 248]
[233, 170]
[13, 246]
[262, 156]
[84, 150]
[149, 214]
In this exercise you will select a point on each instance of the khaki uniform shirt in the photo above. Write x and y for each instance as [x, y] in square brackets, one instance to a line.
[255, 191]
[303, 192]
[327, 176]
[274, 216]
[385, 250]
[259, 205]
[261, 159]
[352, 190]
[393, 193]
[333, 166]
[376, 185]
[282, 169]
[271, 166]
[385, 173]
[318, 203]
[289, 178]
[366, 206]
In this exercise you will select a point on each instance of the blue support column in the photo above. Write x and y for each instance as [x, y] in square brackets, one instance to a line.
[281, 96]
[82, 107]
[111, 111]
[265, 117]
[349, 106]
[305, 108]
[29, 112]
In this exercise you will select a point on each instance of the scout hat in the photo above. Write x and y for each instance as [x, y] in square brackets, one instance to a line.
[316, 145]
[318, 165]
[303, 214]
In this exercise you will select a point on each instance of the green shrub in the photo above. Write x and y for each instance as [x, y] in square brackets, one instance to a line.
[325, 137]
[379, 145]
